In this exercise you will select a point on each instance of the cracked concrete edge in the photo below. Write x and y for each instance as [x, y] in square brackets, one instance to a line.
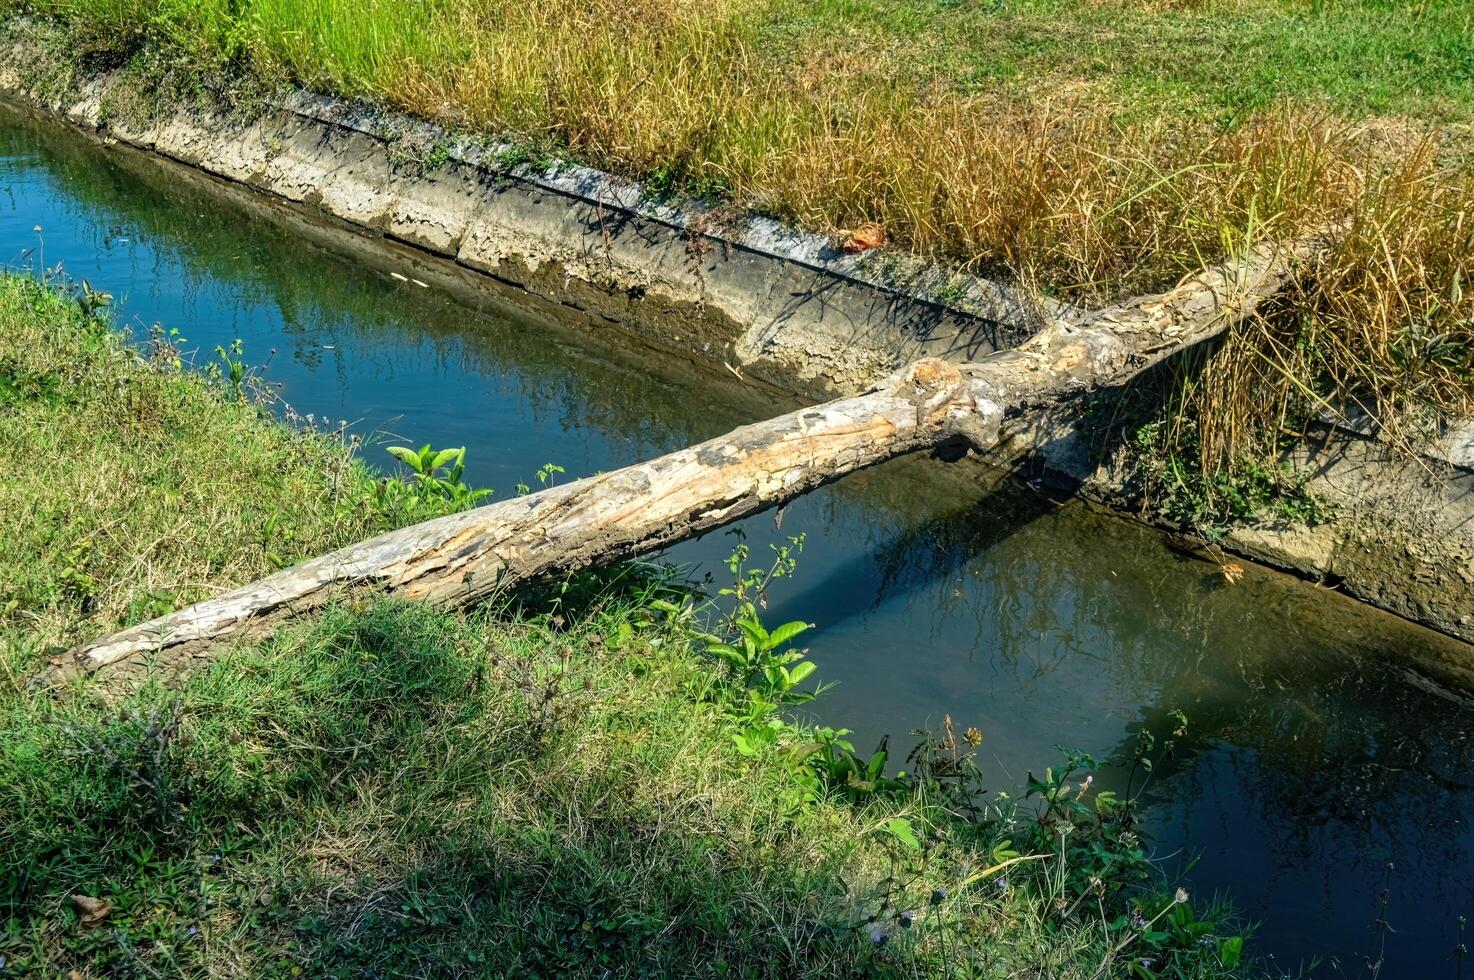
[892, 271]
[779, 305]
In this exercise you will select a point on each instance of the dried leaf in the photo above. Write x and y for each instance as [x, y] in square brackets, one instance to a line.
[1232, 571]
[93, 910]
[863, 238]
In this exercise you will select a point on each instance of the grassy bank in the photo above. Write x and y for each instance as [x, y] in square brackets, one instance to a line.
[184, 489]
[1086, 148]
[583, 783]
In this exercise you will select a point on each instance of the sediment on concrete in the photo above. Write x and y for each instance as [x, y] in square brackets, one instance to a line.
[774, 304]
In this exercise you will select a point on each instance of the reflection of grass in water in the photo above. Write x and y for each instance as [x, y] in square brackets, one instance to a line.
[317, 294]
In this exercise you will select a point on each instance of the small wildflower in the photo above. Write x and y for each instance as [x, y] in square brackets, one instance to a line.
[1148, 964]
[1181, 895]
[1003, 884]
[1085, 786]
[1137, 919]
[938, 896]
[878, 938]
[907, 917]
[973, 737]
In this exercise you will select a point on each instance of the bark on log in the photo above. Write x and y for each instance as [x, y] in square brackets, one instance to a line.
[466, 557]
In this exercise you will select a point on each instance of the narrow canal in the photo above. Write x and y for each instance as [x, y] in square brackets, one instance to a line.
[1328, 754]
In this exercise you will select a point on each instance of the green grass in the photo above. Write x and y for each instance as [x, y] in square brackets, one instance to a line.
[184, 489]
[569, 785]
[1221, 58]
[399, 792]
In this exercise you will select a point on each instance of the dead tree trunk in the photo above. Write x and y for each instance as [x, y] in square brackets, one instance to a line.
[466, 557]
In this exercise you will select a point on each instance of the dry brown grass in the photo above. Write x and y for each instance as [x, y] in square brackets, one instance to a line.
[1066, 189]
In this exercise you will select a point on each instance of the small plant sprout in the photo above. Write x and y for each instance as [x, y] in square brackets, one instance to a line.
[232, 366]
[440, 474]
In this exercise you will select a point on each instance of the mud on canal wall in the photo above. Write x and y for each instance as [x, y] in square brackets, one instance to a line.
[771, 303]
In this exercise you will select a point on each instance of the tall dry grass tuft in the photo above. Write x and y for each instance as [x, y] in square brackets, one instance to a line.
[1383, 327]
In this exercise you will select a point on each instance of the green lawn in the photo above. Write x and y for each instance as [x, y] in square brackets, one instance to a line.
[1219, 58]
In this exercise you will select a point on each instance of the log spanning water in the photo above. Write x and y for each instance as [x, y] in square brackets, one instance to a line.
[466, 557]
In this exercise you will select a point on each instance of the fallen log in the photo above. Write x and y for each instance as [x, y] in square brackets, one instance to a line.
[465, 557]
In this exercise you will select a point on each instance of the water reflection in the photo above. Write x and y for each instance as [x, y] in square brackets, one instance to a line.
[1325, 740]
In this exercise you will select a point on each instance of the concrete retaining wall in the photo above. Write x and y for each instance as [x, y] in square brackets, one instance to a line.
[776, 304]
[1402, 535]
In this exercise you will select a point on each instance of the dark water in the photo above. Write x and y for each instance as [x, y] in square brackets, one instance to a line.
[1326, 742]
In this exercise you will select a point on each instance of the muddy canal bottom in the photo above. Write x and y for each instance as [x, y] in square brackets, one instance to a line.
[1328, 753]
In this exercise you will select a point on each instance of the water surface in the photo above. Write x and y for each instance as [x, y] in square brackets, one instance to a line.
[1329, 748]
